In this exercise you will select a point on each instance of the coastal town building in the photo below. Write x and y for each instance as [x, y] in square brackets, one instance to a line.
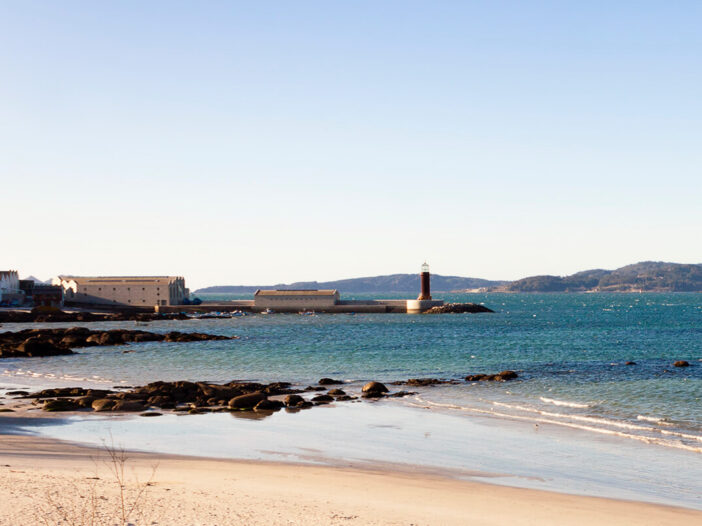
[47, 296]
[123, 291]
[295, 299]
[10, 292]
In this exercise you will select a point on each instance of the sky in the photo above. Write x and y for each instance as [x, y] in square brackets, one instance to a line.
[270, 142]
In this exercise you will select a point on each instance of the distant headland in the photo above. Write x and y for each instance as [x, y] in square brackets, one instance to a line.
[647, 276]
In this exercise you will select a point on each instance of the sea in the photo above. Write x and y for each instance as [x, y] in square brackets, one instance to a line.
[598, 407]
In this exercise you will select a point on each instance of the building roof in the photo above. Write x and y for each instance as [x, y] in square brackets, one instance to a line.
[84, 280]
[292, 292]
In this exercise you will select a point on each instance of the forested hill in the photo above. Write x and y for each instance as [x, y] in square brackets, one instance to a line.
[647, 276]
[408, 283]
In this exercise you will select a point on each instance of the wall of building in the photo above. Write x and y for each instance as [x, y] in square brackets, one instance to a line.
[124, 291]
[294, 301]
[9, 281]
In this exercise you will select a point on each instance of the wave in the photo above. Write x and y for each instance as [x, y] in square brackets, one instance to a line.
[603, 421]
[583, 423]
[27, 373]
[564, 403]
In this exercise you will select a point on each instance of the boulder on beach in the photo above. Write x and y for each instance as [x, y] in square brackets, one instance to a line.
[374, 389]
[103, 404]
[329, 381]
[247, 401]
[128, 406]
[269, 405]
[322, 399]
[294, 400]
[499, 377]
[61, 404]
[336, 392]
[37, 347]
[682, 363]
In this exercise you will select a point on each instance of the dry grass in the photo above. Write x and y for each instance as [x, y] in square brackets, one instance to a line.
[114, 496]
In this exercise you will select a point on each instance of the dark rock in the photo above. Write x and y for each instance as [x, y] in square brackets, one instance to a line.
[336, 392]
[103, 404]
[400, 394]
[73, 341]
[247, 401]
[294, 400]
[682, 363]
[38, 347]
[329, 381]
[458, 308]
[128, 406]
[269, 405]
[422, 382]
[344, 398]
[629, 363]
[500, 377]
[18, 393]
[314, 388]
[323, 399]
[151, 413]
[60, 405]
[85, 401]
[374, 389]
[278, 388]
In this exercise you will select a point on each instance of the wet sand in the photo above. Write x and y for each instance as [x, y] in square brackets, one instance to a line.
[44, 481]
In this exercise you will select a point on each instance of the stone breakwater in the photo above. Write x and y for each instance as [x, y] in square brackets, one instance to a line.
[54, 342]
[205, 397]
[42, 316]
[457, 308]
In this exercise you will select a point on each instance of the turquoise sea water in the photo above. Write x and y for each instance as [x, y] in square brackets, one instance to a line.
[569, 351]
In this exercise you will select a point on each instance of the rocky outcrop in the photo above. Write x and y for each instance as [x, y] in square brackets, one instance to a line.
[42, 316]
[500, 377]
[247, 401]
[52, 342]
[329, 381]
[424, 382]
[682, 363]
[457, 308]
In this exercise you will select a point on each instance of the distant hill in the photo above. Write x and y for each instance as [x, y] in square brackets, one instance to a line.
[408, 283]
[650, 276]
[37, 280]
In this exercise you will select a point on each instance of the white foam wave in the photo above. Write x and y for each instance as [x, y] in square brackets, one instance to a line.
[556, 419]
[603, 421]
[564, 403]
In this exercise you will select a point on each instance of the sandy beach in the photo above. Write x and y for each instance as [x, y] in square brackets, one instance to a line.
[44, 481]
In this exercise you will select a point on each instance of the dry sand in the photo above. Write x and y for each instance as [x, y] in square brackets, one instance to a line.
[44, 481]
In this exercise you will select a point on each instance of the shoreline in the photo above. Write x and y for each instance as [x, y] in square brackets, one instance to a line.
[194, 490]
[398, 438]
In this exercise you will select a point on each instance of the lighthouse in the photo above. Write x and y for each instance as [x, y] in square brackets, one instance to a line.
[425, 280]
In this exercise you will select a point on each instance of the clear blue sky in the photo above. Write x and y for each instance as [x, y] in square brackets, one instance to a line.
[265, 142]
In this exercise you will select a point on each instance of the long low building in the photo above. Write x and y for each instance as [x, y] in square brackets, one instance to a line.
[123, 291]
[292, 300]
